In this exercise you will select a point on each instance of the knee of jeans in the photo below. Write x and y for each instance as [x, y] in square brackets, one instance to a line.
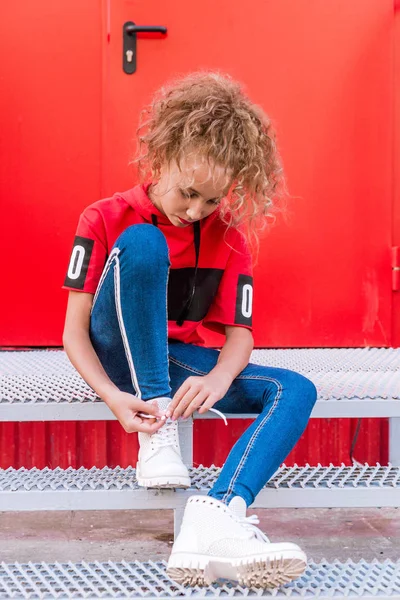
[307, 390]
[143, 241]
[301, 393]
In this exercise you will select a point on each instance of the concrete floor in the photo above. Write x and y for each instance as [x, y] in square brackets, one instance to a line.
[324, 533]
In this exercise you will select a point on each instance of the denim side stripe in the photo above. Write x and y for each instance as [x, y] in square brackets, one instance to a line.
[107, 266]
[114, 257]
[128, 354]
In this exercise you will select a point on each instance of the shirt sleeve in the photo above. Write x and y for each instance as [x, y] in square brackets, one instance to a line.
[233, 302]
[89, 253]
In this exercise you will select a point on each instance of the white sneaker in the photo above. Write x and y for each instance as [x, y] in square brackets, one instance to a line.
[217, 541]
[159, 460]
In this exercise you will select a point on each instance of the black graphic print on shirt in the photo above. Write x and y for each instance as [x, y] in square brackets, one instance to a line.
[244, 301]
[180, 286]
[79, 262]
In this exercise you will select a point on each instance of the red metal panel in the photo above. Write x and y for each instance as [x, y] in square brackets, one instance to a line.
[324, 441]
[8, 445]
[122, 447]
[31, 450]
[341, 448]
[91, 444]
[384, 449]
[105, 443]
[313, 443]
[369, 439]
[61, 442]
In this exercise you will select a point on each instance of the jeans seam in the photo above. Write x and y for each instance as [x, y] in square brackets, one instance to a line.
[253, 438]
[242, 377]
[187, 367]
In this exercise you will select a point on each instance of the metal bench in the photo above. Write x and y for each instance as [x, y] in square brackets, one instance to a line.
[42, 385]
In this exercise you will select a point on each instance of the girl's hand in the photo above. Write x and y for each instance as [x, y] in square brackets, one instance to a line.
[126, 407]
[198, 392]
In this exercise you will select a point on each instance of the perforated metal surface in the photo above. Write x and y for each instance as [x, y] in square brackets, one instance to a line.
[341, 372]
[48, 375]
[41, 376]
[107, 488]
[201, 477]
[330, 359]
[149, 580]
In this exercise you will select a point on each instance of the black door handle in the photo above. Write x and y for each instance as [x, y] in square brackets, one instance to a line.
[129, 32]
[145, 28]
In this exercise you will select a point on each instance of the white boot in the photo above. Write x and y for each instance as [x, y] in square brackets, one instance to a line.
[159, 460]
[217, 541]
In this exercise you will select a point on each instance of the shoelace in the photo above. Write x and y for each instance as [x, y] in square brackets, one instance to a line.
[219, 413]
[166, 436]
[250, 523]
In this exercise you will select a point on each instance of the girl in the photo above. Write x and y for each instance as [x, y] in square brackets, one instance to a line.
[148, 266]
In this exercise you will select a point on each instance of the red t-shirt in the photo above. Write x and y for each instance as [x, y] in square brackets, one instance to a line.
[224, 282]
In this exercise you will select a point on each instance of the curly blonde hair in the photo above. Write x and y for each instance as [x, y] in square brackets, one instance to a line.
[209, 111]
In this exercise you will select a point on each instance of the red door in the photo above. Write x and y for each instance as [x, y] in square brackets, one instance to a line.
[323, 71]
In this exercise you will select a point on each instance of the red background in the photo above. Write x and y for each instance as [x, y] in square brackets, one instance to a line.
[326, 75]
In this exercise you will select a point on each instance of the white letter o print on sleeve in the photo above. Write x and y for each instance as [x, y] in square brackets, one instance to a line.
[247, 300]
[79, 262]
[76, 262]
[244, 300]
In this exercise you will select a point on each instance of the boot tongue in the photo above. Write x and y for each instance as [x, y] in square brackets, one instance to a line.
[238, 506]
[161, 402]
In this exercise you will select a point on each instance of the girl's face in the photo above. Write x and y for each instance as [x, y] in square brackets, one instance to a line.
[182, 204]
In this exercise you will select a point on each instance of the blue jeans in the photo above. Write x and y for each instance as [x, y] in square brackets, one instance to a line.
[129, 332]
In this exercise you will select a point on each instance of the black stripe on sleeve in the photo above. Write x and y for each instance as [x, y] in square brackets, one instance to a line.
[244, 301]
[79, 262]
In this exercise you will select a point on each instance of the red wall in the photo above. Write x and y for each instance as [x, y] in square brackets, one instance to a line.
[396, 169]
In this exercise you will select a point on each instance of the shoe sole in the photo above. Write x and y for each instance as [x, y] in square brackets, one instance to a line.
[162, 482]
[269, 570]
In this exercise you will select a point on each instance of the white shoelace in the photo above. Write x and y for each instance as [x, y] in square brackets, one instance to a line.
[219, 413]
[166, 436]
[250, 523]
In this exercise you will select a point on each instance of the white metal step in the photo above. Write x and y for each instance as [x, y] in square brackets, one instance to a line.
[107, 488]
[42, 385]
[149, 580]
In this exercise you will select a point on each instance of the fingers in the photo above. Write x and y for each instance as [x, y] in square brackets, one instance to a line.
[146, 426]
[153, 418]
[192, 400]
[209, 403]
[205, 404]
[195, 404]
[177, 397]
[150, 408]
